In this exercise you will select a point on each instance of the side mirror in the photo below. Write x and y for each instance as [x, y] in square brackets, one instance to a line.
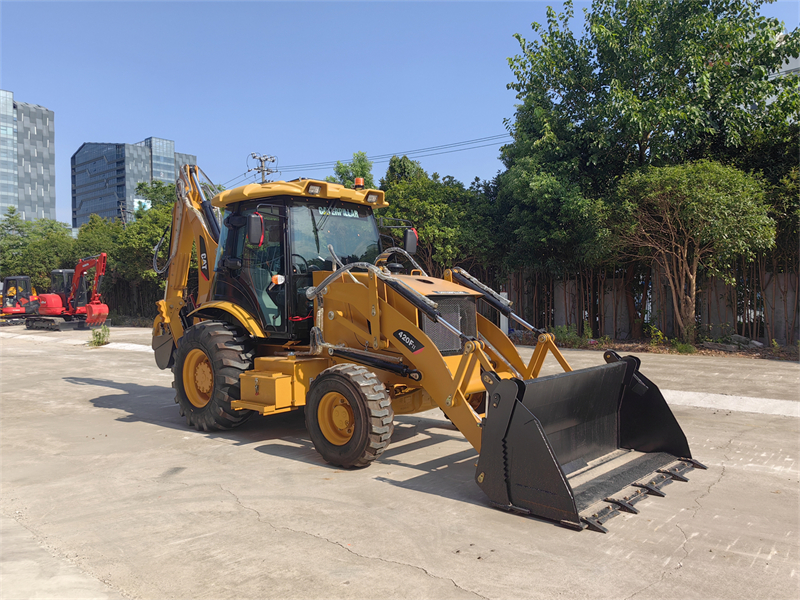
[255, 229]
[410, 238]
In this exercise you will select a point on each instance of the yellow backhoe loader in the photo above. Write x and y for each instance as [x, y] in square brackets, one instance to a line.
[298, 306]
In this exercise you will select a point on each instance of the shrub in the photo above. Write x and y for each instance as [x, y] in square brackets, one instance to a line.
[100, 336]
[682, 347]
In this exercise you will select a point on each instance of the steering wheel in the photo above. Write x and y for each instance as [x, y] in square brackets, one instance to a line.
[301, 268]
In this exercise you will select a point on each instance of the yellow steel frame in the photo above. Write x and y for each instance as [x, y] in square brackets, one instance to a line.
[353, 297]
[248, 321]
[188, 229]
[448, 387]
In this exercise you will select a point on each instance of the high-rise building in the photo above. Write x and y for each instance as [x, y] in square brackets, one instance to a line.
[105, 176]
[27, 158]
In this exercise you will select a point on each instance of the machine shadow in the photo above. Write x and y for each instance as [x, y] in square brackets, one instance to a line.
[449, 475]
[155, 404]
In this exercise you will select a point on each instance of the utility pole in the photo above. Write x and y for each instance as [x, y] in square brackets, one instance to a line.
[263, 169]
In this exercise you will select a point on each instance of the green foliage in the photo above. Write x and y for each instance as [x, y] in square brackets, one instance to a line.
[34, 248]
[100, 337]
[14, 237]
[157, 192]
[133, 253]
[451, 220]
[567, 337]
[548, 222]
[700, 214]
[401, 169]
[346, 173]
[682, 347]
[654, 333]
[96, 236]
[650, 80]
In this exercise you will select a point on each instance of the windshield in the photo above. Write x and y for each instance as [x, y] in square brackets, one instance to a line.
[349, 228]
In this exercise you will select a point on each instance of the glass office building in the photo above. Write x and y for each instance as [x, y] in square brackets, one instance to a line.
[27, 158]
[105, 176]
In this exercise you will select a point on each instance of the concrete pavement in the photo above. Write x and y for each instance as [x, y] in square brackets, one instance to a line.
[107, 494]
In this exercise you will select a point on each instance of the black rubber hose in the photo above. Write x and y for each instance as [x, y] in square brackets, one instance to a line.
[211, 219]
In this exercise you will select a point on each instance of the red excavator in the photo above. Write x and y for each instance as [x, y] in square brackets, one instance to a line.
[70, 300]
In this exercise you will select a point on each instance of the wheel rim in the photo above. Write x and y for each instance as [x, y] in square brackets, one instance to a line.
[336, 421]
[198, 378]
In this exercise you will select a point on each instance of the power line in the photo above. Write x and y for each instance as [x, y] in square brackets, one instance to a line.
[379, 157]
[474, 144]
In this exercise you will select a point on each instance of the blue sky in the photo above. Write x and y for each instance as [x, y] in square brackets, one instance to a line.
[307, 82]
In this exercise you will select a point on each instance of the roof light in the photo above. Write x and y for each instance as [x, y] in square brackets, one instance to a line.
[372, 198]
[314, 189]
[359, 183]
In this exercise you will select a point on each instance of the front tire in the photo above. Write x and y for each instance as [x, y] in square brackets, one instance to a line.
[208, 361]
[349, 416]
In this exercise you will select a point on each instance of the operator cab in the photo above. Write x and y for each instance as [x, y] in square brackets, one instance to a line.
[61, 282]
[269, 249]
[18, 295]
[61, 285]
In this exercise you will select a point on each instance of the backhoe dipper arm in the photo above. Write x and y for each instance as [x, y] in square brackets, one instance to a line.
[193, 223]
[81, 268]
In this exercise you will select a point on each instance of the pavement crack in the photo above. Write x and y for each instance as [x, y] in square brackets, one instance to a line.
[665, 572]
[244, 506]
[682, 547]
[348, 549]
[387, 561]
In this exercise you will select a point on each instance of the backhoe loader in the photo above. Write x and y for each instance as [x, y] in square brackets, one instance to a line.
[296, 307]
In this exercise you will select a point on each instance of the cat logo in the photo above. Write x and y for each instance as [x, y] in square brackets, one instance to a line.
[203, 254]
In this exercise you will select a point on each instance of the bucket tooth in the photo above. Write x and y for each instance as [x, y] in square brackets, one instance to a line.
[695, 463]
[673, 474]
[623, 505]
[595, 524]
[650, 489]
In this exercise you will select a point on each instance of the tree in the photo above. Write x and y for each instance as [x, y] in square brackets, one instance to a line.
[648, 82]
[547, 222]
[34, 248]
[651, 80]
[156, 192]
[452, 221]
[97, 235]
[14, 235]
[692, 216]
[401, 169]
[346, 173]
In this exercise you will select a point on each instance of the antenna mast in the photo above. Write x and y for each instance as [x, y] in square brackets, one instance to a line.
[263, 169]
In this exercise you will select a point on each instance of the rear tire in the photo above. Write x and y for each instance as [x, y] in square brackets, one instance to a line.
[349, 416]
[208, 361]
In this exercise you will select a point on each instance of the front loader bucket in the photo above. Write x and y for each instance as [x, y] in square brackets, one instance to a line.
[559, 445]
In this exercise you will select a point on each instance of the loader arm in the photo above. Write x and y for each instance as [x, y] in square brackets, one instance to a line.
[555, 446]
[193, 225]
[448, 382]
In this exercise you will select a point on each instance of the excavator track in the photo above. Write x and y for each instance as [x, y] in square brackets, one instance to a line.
[45, 324]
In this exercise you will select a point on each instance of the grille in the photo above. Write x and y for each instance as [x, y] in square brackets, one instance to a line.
[459, 311]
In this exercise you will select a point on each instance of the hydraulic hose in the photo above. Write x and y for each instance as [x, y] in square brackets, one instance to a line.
[208, 210]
